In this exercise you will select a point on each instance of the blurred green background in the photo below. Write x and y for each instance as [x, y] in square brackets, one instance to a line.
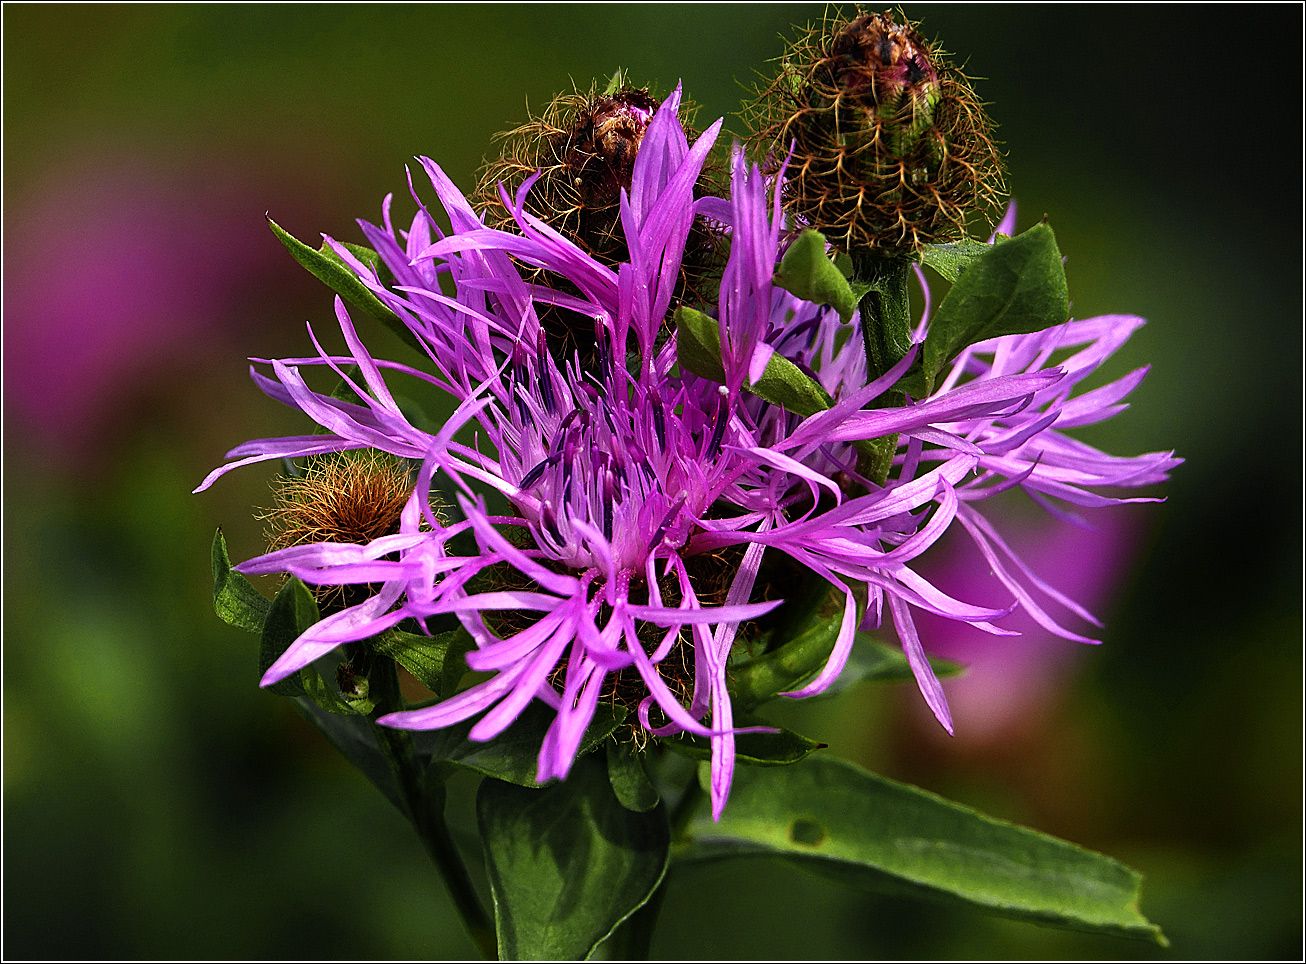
[158, 805]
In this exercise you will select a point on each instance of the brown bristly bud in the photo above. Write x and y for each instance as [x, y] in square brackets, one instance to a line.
[349, 497]
[584, 145]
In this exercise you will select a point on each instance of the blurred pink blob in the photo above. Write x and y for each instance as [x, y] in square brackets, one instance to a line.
[118, 271]
[1012, 682]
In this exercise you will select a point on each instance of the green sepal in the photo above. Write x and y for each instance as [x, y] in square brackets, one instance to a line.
[292, 611]
[513, 755]
[807, 272]
[630, 781]
[782, 748]
[837, 819]
[437, 662]
[1015, 287]
[567, 864]
[328, 268]
[235, 599]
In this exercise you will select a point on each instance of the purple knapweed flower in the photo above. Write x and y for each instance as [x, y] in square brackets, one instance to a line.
[642, 498]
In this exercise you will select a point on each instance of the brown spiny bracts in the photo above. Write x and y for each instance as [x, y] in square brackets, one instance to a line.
[584, 145]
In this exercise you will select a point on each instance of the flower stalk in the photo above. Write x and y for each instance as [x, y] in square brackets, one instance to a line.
[424, 797]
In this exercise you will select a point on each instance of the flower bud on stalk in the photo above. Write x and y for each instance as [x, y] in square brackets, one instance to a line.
[892, 150]
[584, 145]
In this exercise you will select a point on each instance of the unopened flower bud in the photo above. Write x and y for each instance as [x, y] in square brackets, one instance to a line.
[584, 145]
[891, 148]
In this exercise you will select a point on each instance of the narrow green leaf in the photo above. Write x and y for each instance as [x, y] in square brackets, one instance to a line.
[807, 272]
[567, 864]
[629, 779]
[235, 599]
[809, 632]
[838, 819]
[329, 269]
[950, 260]
[292, 611]
[873, 660]
[1016, 287]
[756, 749]
[513, 755]
[425, 656]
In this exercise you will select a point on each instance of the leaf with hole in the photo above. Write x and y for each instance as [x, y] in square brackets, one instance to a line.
[837, 819]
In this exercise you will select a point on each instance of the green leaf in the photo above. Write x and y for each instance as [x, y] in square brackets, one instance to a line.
[756, 749]
[356, 739]
[808, 273]
[698, 348]
[292, 611]
[235, 599]
[698, 345]
[950, 260]
[1016, 287]
[328, 268]
[811, 626]
[436, 661]
[513, 755]
[566, 864]
[629, 779]
[838, 819]
[873, 660]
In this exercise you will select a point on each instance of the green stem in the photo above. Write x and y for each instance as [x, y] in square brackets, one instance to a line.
[885, 315]
[885, 311]
[425, 800]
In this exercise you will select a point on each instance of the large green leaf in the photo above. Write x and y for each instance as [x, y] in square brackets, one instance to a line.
[568, 863]
[1014, 287]
[838, 819]
[807, 272]
[328, 268]
[630, 781]
[235, 599]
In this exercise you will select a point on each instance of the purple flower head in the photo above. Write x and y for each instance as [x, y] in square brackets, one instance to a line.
[642, 499]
